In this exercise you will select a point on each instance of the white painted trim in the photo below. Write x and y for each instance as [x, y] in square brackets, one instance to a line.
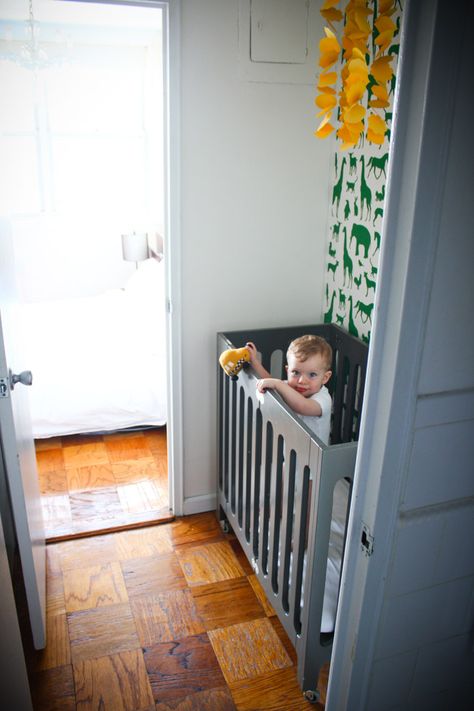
[171, 35]
[409, 241]
[199, 504]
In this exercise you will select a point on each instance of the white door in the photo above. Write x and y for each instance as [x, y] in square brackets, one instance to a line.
[16, 441]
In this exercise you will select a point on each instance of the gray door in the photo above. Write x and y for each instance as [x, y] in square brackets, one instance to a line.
[16, 441]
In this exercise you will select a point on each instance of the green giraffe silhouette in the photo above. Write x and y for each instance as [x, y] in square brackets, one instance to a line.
[339, 320]
[352, 164]
[365, 192]
[329, 312]
[352, 326]
[347, 261]
[337, 189]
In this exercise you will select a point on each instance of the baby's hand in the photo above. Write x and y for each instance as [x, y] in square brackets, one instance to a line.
[266, 384]
[252, 349]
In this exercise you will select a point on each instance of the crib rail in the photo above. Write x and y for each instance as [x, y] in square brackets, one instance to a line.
[276, 484]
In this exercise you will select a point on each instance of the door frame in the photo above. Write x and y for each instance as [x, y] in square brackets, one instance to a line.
[172, 124]
[172, 160]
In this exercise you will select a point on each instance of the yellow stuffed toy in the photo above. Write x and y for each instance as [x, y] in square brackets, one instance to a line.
[233, 360]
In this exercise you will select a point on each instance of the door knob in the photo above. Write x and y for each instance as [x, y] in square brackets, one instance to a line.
[25, 378]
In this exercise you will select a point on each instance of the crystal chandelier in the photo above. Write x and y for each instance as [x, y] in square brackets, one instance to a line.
[29, 54]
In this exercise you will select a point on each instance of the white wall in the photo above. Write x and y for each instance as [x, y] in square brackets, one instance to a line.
[254, 207]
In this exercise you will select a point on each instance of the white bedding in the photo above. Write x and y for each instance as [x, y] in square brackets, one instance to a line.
[334, 559]
[99, 362]
[336, 545]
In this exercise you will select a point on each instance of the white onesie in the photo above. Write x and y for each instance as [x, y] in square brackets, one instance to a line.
[321, 426]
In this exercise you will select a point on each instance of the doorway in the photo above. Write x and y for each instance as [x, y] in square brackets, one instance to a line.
[92, 126]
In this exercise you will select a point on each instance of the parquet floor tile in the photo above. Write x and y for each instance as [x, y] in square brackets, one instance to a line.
[58, 650]
[164, 618]
[147, 576]
[181, 667]
[95, 483]
[50, 460]
[274, 691]
[132, 471]
[209, 700]
[248, 649]
[118, 682]
[101, 631]
[209, 563]
[195, 530]
[81, 455]
[143, 542]
[95, 586]
[95, 476]
[53, 689]
[226, 603]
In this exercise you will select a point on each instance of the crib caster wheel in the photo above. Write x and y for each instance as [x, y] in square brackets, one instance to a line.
[312, 696]
[225, 527]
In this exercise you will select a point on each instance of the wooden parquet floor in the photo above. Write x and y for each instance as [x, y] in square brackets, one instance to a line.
[168, 617]
[95, 483]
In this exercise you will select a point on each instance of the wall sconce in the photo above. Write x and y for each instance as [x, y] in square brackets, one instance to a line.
[135, 247]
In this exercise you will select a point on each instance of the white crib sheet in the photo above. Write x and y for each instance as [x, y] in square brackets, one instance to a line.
[336, 545]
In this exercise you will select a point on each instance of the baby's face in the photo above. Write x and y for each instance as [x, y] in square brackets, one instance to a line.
[307, 376]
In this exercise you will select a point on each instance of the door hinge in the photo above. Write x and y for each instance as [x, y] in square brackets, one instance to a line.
[367, 540]
[4, 387]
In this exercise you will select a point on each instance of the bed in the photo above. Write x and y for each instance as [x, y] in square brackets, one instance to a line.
[99, 362]
[284, 493]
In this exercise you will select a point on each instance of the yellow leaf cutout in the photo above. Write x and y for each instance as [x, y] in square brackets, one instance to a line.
[385, 24]
[355, 92]
[326, 89]
[386, 7]
[324, 128]
[379, 104]
[377, 124]
[381, 69]
[327, 78]
[332, 15]
[380, 92]
[375, 137]
[325, 101]
[354, 114]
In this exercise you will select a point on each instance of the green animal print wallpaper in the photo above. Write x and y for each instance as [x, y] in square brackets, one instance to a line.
[357, 196]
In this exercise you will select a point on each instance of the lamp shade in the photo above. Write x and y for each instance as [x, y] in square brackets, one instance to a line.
[135, 246]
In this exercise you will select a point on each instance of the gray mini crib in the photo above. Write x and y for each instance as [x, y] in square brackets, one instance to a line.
[277, 482]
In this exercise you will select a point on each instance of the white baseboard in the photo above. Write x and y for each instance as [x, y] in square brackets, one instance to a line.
[199, 504]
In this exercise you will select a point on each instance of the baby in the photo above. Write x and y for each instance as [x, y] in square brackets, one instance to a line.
[309, 360]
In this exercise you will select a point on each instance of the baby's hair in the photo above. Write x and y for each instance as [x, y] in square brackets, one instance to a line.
[306, 346]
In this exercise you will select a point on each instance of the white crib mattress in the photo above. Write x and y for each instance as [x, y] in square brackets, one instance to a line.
[336, 545]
